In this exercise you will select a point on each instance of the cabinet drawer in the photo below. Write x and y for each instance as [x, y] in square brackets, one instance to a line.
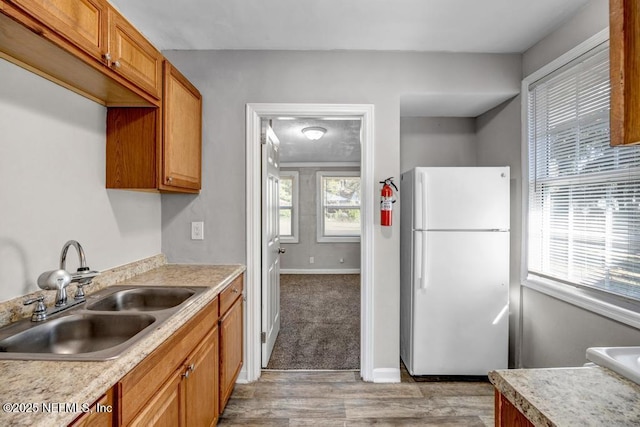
[230, 294]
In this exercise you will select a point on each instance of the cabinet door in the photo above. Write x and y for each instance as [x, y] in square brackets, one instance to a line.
[624, 25]
[132, 56]
[230, 350]
[82, 22]
[182, 132]
[166, 408]
[101, 414]
[202, 383]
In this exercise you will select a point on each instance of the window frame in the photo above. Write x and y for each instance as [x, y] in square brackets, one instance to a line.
[608, 305]
[295, 217]
[321, 237]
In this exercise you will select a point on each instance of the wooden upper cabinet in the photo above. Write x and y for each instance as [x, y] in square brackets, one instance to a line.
[82, 22]
[158, 149]
[83, 45]
[624, 29]
[182, 132]
[132, 56]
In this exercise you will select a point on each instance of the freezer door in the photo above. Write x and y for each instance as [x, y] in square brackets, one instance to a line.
[460, 311]
[467, 198]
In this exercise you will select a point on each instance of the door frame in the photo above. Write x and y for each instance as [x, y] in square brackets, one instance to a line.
[252, 369]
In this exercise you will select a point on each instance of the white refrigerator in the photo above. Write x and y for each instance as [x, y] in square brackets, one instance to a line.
[454, 272]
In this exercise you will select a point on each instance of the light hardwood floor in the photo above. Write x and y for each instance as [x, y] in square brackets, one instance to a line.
[340, 398]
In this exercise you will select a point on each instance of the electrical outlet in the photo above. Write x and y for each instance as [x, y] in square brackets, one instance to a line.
[311, 260]
[197, 230]
[341, 260]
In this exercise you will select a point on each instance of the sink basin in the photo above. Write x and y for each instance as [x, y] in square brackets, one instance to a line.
[143, 299]
[623, 360]
[83, 336]
[102, 328]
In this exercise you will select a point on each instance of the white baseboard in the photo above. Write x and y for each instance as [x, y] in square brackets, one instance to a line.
[320, 271]
[386, 375]
[242, 376]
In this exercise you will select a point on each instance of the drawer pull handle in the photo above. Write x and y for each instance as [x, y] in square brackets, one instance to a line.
[235, 290]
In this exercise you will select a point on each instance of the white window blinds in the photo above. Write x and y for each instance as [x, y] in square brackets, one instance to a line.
[584, 196]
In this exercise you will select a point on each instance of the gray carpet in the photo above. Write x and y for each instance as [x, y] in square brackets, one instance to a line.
[319, 323]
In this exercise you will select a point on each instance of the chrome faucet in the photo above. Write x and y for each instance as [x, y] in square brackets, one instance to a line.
[58, 280]
[83, 275]
[63, 255]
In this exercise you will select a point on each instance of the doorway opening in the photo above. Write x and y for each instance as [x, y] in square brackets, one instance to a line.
[257, 270]
[311, 281]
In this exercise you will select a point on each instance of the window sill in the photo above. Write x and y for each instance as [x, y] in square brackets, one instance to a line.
[616, 308]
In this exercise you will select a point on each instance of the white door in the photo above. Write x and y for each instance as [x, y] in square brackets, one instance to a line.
[270, 242]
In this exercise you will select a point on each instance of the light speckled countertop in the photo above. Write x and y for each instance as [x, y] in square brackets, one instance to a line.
[36, 382]
[589, 396]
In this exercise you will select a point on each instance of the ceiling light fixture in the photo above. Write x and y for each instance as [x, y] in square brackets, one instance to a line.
[314, 133]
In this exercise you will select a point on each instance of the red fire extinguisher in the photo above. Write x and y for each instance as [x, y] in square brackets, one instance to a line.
[387, 201]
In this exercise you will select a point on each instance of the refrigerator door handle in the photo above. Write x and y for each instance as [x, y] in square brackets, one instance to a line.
[420, 258]
[420, 212]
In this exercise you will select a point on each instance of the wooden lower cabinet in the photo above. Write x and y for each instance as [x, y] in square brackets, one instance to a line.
[231, 326]
[177, 383]
[188, 379]
[189, 397]
[167, 406]
[201, 400]
[507, 415]
[101, 414]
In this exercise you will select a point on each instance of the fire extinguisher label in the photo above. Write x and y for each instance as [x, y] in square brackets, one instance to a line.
[386, 204]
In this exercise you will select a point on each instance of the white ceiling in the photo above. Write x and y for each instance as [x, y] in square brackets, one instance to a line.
[340, 144]
[505, 26]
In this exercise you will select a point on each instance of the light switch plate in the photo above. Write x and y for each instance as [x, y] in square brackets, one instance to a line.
[197, 230]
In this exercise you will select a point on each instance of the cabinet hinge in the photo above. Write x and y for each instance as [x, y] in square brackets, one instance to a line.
[263, 337]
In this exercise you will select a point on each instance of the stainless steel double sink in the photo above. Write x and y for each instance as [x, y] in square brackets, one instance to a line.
[102, 328]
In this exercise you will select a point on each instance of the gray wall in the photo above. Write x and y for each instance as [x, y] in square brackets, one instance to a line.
[589, 20]
[52, 186]
[326, 255]
[437, 141]
[229, 80]
[555, 333]
[498, 139]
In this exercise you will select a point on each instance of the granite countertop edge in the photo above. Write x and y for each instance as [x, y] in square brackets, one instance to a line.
[532, 413]
[69, 382]
[588, 395]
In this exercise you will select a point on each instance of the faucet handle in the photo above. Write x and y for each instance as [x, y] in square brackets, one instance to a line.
[80, 296]
[40, 311]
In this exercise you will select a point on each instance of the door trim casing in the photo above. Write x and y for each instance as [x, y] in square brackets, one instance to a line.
[251, 369]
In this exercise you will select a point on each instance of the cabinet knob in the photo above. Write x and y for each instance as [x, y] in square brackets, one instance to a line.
[107, 56]
[169, 179]
[116, 64]
[235, 290]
